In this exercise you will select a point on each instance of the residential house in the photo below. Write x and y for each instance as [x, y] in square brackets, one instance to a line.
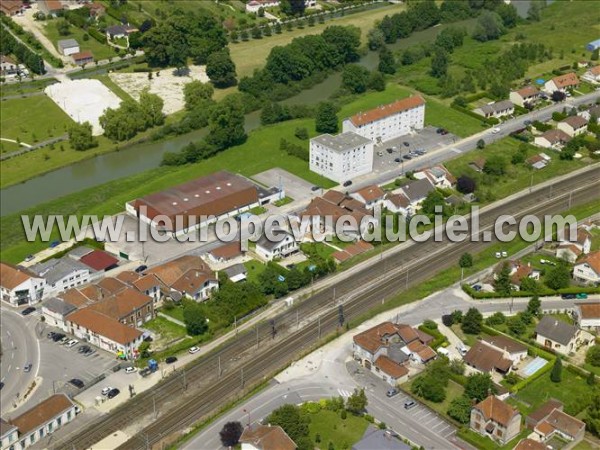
[387, 348]
[20, 286]
[342, 157]
[478, 164]
[518, 272]
[560, 336]
[104, 332]
[55, 311]
[148, 285]
[254, 5]
[96, 9]
[283, 244]
[592, 75]
[553, 139]
[266, 437]
[559, 424]
[41, 420]
[187, 276]
[587, 315]
[374, 438]
[9, 435]
[571, 250]
[487, 358]
[128, 306]
[416, 192]
[371, 196]
[538, 161]
[82, 58]
[68, 47]
[50, 7]
[496, 110]
[61, 274]
[386, 122]
[495, 419]
[11, 7]
[533, 419]
[527, 95]
[9, 67]
[397, 203]
[587, 271]
[573, 125]
[513, 350]
[120, 31]
[529, 444]
[226, 252]
[236, 273]
[562, 83]
[438, 176]
[592, 114]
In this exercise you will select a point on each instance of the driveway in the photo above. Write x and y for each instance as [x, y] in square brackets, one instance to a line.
[294, 186]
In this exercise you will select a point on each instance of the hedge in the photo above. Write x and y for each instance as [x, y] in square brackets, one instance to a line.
[527, 381]
[546, 292]
[438, 338]
[475, 97]
[490, 121]
[100, 37]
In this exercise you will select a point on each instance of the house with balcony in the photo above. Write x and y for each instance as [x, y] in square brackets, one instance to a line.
[281, 246]
[20, 286]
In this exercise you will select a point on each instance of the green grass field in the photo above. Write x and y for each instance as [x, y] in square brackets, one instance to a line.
[100, 51]
[254, 268]
[343, 433]
[167, 329]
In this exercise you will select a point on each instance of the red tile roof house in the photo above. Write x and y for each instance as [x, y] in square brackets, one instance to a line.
[19, 286]
[554, 139]
[99, 260]
[41, 420]
[587, 271]
[495, 419]
[550, 420]
[226, 253]
[187, 276]
[83, 57]
[526, 95]
[146, 284]
[571, 250]
[11, 7]
[370, 195]
[562, 83]
[587, 315]
[387, 348]
[266, 437]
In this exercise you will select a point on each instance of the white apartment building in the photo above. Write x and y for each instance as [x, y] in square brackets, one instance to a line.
[342, 157]
[19, 286]
[388, 121]
[62, 274]
[284, 245]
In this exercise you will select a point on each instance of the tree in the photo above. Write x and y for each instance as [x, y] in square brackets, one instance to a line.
[480, 144]
[151, 108]
[292, 7]
[345, 42]
[430, 387]
[227, 123]
[529, 285]
[196, 93]
[472, 321]
[231, 433]
[498, 318]
[256, 32]
[466, 260]
[357, 402]
[558, 96]
[533, 13]
[63, 27]
[508, 14]
[591, 379]
[376, 81]
[460, 409]
[355, 78]
[220, 68]
[291, 418]
[80, 136]
[439, 63]
[376, 39]
[593, 356]
[489, 27]
[479, 386]
[193, 317]
[516, 326]
[457, 366]
[559, 276]
[387, 62]
[326, 120]
[495, 165]
[534, 306]
[592, 418]
[465, 184]
[556, 373]
[503, 283]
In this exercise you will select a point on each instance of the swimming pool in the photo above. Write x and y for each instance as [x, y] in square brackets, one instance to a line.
[534, 366]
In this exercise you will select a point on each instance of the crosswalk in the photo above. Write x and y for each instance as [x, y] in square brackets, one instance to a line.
[344, 393]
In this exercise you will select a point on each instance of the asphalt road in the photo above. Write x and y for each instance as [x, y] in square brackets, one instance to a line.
[255, 355]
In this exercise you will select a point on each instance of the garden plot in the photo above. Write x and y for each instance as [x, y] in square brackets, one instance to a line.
[168, 85]
[83, 100]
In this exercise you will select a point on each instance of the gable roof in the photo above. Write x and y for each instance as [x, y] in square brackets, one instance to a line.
[561, 421]
[58, 306]
[122, 304]
[486, 358]
[42, 413]
[279, 235]
[556, 330]
[375, 337]
[417, 190]
[500, 106]
[530, 444]
[371, 193]
[267, 437]
[85, 54]
[104, 326]
[12, 276]
[399, 200]
[495, 409]
[505, 343]
[527, 91]
[575, 122]
[540, 413]
[170, 272]
[380, 440]
[592, 260]
[589, 310]
[56, 269]
[390, 367]
[384, 111]
[227, 251]
[566, 80]
[556, 136]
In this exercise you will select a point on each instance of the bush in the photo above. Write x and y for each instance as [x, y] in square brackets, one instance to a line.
[301, 133]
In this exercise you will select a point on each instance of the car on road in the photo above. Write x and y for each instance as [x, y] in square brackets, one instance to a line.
[347, 183]
[407, 157]
[130, 370]
[171, 359]
[106, 390]
[194, 350]
[406, 144]
[113, 393]
[29, 258]
[495, 130]
[72, 343]
[315, 188]
[141, 268]
[27, 367]
[568, 296]
[391, 392]
[76, 382]
[409, 404]
[581, 296]
[28, 310]
[397, 160]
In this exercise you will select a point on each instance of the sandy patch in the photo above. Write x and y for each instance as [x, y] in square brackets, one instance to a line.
[167, 85]
[83, 100]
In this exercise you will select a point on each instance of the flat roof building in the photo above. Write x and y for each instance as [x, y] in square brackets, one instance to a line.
[342, 157]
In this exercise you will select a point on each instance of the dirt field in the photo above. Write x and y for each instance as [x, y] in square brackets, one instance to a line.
[167, 85]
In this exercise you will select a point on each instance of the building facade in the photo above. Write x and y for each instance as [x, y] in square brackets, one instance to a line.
[495, 419]
[342, 157]
[19, 286]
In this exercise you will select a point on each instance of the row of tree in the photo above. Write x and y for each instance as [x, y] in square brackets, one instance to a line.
[10, 45]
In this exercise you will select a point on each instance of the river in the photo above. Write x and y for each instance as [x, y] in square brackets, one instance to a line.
[145, 156]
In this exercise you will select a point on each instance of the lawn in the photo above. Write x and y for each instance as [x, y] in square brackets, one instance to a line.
[454, 390]
[254, 268]
[168, 330]
[100, 51]
[439, 115]
[485, 443]
[343, 433]
[175, 313]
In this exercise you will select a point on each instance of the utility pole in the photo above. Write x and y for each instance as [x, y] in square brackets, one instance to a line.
[235, 324]
[406, 278]
[531, 183]
[570, 198]
[184, 381]
[334, 296]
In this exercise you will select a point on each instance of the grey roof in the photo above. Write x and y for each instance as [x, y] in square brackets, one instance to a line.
[67, 43]
[236, 269]
[341, 142]
[55, 270]
[556, 330]
[265, 243]
[595, 111]
[116, 29]
[79, 252]
[59, 306]
[5, 427]
[418, 189]
[395, 352]
[496, 107]
[380, 440]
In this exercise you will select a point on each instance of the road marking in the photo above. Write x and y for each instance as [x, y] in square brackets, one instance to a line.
[8, 333]
[456, 150]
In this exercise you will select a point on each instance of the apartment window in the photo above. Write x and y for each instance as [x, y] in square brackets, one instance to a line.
[32, 439]
[41, 432]
[50, 426]
[59, 421]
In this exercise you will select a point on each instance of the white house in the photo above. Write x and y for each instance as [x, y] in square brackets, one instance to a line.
[38, 422]
[371, 196]
[416, 192]
[573, 125]
[562, 83]
[254, 5]
[592, 75]
[587, 314]
[588, 269]
[398, 203]
[388, 121]
[68, 47]
[62, 274]
[20, 286]
[284, 244]
[55, 312]
[593, 112]
[527, 95]
[266, 437]
[439, 176]
[560, 336]
[496, 110]
[342, 157]
[553, 139]
[571, 250]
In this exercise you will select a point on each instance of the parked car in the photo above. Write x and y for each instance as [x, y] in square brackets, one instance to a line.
[58, 337]
[347, 183]
[64, 340]
[130, 370]
[29, 258]
[389, 150]
[194, 350]
[28, 310]
[72, 343]
[76, 382]
[504, 254]
[51, 335]
[581, 296]
[406, 144]
[141, 268]
[498, 255]
[27, 367]
[391, 392]
[83, 349]
[113, 393]
[410, 404]
[568, 296]
[171, 359]
[315, 188]
[397, 160]
[407, 157]
[106, 390]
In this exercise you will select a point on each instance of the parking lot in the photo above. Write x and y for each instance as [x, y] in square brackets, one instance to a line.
[427, 139]
[294, 186]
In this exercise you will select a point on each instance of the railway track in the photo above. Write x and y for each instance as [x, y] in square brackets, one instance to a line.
[244, 360]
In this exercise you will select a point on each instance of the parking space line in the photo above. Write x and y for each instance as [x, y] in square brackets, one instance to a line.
[433, 419]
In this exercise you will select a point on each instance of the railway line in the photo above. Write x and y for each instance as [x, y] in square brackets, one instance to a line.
[209, 382]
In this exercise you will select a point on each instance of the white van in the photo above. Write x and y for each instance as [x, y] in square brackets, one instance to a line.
[443, 351]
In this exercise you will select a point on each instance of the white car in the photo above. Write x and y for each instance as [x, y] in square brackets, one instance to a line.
[194, 350]
[72, 343]
[106, 390]
[504, 254]
[496, 130]
[131, 370]
[498, 255]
